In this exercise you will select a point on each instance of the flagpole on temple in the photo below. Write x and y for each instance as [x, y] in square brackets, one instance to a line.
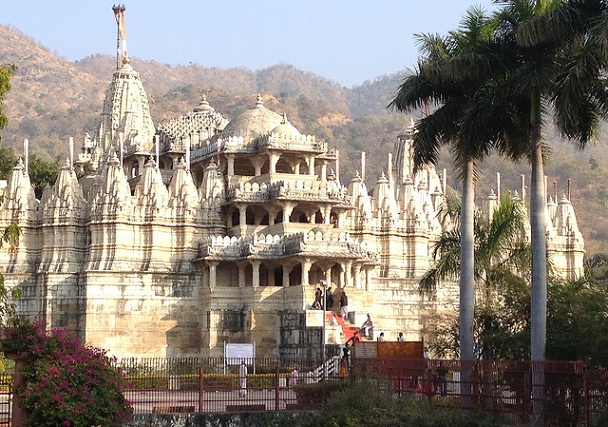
[119, 14]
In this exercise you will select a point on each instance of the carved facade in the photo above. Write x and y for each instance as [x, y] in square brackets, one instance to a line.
[204, 230]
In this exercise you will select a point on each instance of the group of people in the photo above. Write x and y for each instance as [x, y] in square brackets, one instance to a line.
[328, 298]
[320, 301]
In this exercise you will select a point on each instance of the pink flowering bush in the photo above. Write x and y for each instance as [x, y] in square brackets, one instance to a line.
[69, 384]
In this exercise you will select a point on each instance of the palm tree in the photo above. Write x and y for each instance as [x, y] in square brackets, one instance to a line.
[502, 262]
[500, 247]
[450, 75]
[554, 66]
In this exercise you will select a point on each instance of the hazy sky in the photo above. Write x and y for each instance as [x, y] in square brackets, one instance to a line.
[347, 41]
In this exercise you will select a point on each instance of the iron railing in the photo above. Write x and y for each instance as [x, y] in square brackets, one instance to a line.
[573, 395]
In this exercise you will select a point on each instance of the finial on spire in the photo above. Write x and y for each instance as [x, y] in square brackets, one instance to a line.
[259, 103]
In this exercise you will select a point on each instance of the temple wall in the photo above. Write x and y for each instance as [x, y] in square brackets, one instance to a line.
[144, 314]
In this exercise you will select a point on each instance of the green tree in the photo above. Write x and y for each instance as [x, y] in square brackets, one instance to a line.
[556, 71]
[501, 270]
[8, 160]
[451, 75]
[577, 326]
[6, 72]
[554, 67]
[42, 173]
[10, 235]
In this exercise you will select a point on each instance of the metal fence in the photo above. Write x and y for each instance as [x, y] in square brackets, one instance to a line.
[6, 394]
[571, 394]
[216, 384]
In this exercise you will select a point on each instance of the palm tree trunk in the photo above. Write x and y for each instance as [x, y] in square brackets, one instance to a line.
[467, 284]
[539, 265]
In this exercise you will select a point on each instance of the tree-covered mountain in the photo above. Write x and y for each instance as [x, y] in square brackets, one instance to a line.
[52, 99]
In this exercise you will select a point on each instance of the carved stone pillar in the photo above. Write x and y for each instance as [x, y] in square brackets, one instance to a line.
[323, 171]
[311, 165]
[327, 215]
[255, 279]
[257, 166]
[242, 214]
[368, 279]
[348, 271]
[242, 218]
[287, 210]
[272, 213]
[230, 158]
[286, 272]
[342, 283]
[212, 273]
[273, 159]
[357, 274]
[306, 264]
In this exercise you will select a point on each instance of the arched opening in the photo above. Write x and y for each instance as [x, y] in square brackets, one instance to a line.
[264, 220]
[243, 167]
[278, 277]
[264, 275]
[316, 275]
[295, 276]
[250, 216]
[225, 275]
[334, 219]
[302, 167]
[283, 166]
[318, 217]
[298, 216]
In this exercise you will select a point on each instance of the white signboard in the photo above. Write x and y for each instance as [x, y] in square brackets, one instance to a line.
[235, 353]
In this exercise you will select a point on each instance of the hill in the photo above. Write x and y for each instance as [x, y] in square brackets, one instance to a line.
[52, 99]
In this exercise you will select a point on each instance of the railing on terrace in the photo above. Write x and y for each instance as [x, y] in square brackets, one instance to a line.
[573, 395]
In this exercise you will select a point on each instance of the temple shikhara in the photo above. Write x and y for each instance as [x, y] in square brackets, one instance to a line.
[204, 230]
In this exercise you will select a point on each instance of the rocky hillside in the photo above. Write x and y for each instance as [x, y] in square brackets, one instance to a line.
[52, 99]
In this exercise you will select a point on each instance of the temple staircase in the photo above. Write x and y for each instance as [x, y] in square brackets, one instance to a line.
[348, 331]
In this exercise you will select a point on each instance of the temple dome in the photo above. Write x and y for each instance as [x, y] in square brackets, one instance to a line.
[254, 122]
[203, 106]
[286, 128]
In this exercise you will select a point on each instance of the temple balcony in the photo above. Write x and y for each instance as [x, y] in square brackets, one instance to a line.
[276, 246]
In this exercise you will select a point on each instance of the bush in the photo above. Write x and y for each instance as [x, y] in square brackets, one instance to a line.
[364, 405]
[69, 384]
[316, 393]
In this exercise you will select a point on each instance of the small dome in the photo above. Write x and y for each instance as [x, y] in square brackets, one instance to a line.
[204, 105]
[253, 123]
[286, 128]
